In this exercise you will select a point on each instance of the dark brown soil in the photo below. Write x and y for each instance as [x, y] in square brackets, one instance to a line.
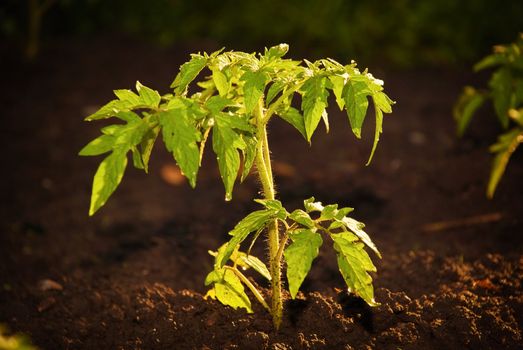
[132, 276]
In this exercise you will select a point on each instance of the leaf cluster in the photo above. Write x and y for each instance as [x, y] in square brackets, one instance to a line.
[505, 91]
[225, 97]
[306, 230]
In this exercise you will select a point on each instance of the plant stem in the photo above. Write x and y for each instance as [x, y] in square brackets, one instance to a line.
[263, 164]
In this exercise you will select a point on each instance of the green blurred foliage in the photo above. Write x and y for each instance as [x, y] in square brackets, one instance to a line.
[402, 32]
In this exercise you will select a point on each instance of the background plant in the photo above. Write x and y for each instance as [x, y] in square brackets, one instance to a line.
[238, 95]
[505, 91]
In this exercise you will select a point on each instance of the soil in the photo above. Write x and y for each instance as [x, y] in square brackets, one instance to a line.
[131, 277]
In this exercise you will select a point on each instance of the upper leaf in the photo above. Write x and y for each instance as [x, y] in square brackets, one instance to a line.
[181, 137]
[254, 84]
[188, 71]
[357, 228]
[299, 256]
[314, 103]
[355, 94]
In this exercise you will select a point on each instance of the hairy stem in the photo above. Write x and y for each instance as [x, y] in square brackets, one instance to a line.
[263, 164]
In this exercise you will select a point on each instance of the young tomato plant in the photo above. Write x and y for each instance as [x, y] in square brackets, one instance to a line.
[506, 93]
[237, 98]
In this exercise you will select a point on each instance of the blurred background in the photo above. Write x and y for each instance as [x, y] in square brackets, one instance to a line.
[399, 32]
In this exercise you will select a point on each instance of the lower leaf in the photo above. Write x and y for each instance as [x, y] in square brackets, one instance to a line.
[228, 289]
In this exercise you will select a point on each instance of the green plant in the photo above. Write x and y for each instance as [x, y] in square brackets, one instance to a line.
[505, 90]
[14, 342]
[234, 104]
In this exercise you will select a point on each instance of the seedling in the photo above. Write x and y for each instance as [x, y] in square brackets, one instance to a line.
[237, 97]
[506, 93]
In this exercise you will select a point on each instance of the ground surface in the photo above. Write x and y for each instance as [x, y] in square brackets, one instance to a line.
[132, 276]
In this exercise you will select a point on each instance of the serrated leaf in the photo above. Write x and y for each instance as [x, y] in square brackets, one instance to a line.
[382, 101]
[130, 135]
[249, 155]
[256, 264]
[110, 109]
[147, 144]
[221, 82]
[128, 116]
[276, 52]
[107, 178]
[501, 85]
[252, 222]
[354, 264]
[314, 102]
[100, 145]
[299, 256]
[181, 138]
[228, 289]
[489, 61]
[469, 101]
[310, 205]
[329, 212]
[276, 207]
[149, 97]
[137, 158]
[377, 132]
[274, 89]
[216, 104]
[293, 117]
[226, 142]
[302, 218]
[253, 87]
[188, 71]
[355, 95]
[357, 228]
[506, 145]
[338, 82]
[127, 95]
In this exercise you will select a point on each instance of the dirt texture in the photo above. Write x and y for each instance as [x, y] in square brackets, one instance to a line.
[131, 277]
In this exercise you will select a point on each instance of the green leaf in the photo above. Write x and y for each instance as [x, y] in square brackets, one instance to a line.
[107, 178]
[131, 134]
[501, 85]
[338, 82]
[357, 228]
[355, 94]
[128, 95]
[149, 97]
[274, 89]
[99, 145]
[110, 109]
[506, 145]
[382, 101]
[249, 155]
[254, 263]
[354, 264]
[181, 138]
[147, 144]
[299, 256]
[469, 101]
[221, 82]
[228, 289]
[313, 103]
[188, 72]
[216, 104]
[489, 61]
[276, 52]
[226, 142]
[254, 85]
[302, 218]
[137, 158]
[274, 205]
[377, 132]
[252, 222]
[310, 205]
[293, 117]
